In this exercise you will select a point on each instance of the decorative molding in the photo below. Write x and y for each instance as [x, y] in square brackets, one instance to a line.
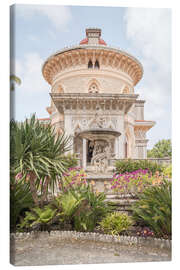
[116, 59]
[74, 103]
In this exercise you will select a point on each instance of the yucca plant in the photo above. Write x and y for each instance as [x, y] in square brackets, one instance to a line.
[14, 80]
[153, 209]
[36, 154]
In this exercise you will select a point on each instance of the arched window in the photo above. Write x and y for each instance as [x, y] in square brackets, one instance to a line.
[96, 64]
[90, 64]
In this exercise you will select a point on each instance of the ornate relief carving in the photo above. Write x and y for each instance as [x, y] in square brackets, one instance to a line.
[140, 133]
[96, 121]
[101, 154]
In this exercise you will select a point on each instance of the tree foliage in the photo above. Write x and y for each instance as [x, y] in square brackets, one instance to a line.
[14, 79]
[161, 149]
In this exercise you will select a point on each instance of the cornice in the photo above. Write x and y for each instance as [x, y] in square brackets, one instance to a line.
[80, 55]
[76, 102]
[143, 124]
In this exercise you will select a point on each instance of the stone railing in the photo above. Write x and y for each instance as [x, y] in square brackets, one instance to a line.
[164, 161]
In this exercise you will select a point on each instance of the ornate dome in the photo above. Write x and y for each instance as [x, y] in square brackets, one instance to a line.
[92, 57]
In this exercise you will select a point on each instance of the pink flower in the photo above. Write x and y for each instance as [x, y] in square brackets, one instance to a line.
[18, 176]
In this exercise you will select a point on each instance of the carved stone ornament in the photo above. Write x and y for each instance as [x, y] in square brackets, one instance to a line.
[101, 154]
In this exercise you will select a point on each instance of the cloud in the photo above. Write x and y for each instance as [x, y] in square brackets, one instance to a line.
[29, 70]
[33, 93]
[149, 32]
[59, 16]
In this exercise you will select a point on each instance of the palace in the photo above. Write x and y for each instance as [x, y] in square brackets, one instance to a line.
[94, 102]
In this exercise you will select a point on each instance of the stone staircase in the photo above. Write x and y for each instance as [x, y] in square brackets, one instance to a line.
[101, 183]
[121, 203]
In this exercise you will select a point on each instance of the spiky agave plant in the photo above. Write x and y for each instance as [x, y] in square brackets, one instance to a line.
[153, 208]
[36, 153]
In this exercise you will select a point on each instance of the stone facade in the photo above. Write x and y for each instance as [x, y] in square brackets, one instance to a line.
[92, 88]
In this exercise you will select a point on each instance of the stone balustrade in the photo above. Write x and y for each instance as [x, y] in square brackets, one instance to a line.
[164, 161]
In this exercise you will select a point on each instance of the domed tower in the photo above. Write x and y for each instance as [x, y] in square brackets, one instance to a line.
[93, 99]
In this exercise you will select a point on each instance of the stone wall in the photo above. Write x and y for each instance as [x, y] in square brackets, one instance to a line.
[79, 81]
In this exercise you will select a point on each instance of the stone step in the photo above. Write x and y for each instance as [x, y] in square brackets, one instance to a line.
[121, 202]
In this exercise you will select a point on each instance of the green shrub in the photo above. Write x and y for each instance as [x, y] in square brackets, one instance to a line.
[40, 218]
[20, 200]
[129, 165]
[153, 209]
[115, 223]
[92, 209]
[68, 203]
[82, 208]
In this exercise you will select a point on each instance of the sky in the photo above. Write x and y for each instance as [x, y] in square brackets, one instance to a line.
[39, 31]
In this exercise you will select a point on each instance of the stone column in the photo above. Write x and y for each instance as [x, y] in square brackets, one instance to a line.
[141, 149]
[84, 153]
[68, 129]
[72, 145]
[121, 138]
[116, 148]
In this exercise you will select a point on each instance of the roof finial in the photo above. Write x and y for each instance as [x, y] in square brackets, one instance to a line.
[93, 35]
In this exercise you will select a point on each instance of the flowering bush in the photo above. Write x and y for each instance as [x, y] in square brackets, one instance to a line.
[145, 232]
[134, 182]
[73, 179]
[131, 182]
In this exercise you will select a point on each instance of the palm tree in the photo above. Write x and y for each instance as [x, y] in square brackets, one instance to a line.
[14, 79]
[37, 155]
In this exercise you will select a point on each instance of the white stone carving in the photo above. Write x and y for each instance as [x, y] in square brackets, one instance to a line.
[101, 154]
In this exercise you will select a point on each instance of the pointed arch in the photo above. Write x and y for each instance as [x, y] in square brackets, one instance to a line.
[90, 64]
[96, 65]
[93, 86]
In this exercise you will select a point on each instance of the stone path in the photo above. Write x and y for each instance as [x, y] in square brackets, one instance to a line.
[59, 252]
